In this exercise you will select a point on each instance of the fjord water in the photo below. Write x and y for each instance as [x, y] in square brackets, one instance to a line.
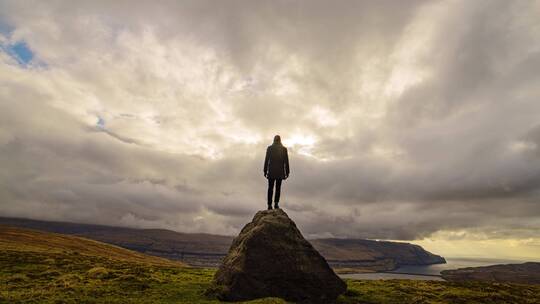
[429, 272]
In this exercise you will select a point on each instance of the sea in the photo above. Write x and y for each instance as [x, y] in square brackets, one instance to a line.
[428, 272]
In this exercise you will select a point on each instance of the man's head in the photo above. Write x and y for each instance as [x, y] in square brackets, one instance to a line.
[277, 139]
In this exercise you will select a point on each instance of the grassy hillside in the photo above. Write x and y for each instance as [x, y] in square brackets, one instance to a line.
[207, 250]
[41, 267]
[136, 239]
[37, 267]
[19, 239]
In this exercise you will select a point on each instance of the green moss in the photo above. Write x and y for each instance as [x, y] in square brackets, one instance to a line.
[63, 277]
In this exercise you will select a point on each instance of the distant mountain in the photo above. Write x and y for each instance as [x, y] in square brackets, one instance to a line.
[201, 249]
[143, 240]
[17, 239]
[525, 273]
[374, 255]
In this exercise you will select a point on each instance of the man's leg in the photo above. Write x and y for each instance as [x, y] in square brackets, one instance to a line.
[278, 193]
[270, 191]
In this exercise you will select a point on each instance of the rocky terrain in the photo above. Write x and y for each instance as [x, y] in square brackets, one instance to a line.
[208, 250]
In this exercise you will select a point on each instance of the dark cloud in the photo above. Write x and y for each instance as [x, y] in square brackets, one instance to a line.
[403, 119]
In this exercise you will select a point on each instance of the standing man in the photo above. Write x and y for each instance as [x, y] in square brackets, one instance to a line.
[276, 169]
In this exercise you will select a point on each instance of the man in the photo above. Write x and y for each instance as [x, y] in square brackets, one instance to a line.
[276, 169]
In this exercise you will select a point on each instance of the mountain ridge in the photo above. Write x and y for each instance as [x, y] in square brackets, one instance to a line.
[24, 239]
[202, 249]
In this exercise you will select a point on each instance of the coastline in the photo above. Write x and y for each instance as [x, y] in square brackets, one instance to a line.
[390, 276]
[421, 272]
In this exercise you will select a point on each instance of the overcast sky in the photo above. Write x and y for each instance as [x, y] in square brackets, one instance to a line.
[404, 120]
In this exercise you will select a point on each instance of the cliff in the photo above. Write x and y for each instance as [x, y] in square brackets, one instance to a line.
[373, 255]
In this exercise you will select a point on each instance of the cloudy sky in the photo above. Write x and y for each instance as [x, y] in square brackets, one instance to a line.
[405, 120]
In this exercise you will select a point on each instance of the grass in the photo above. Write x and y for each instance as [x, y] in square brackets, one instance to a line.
[29, 277]
[34, 274]
[415, 291]
[20, 239]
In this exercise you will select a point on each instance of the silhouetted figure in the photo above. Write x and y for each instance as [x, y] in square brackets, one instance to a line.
[276, 169]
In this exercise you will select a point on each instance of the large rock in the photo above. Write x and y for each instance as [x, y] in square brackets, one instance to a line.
[271, 258]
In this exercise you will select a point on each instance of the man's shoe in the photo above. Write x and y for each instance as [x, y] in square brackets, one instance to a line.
[269, 207]
[276, 206]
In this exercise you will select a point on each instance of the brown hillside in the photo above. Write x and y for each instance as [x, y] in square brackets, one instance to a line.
[20, 239]
[525, 273]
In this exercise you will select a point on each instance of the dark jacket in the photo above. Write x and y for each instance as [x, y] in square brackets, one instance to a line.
[276, 162]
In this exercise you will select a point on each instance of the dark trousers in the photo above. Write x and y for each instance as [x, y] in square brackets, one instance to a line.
[271, 190]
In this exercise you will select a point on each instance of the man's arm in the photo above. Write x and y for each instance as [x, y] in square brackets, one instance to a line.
[265, 168]
[287, 170]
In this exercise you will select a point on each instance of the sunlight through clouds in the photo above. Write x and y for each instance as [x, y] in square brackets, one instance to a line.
[404, 120]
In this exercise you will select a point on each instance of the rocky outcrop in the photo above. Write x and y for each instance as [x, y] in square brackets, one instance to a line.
[526, 273]
[271, 258]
